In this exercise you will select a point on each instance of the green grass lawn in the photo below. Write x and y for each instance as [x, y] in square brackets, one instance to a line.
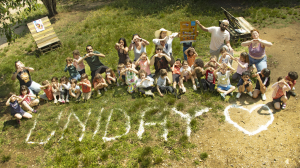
[101, 28]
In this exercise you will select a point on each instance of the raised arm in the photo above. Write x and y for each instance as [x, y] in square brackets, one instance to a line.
[265, 43]
[144, 42]
[201, 26]
[167, 57]
[152, 60]
[246, 43]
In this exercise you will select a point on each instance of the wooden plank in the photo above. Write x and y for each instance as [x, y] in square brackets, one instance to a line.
[38, 36]
[44, 19]
[48, 42]
[42, 40]
[47, 26]
[246, 25]
[31, 25]
[42, 33]
[36, 39]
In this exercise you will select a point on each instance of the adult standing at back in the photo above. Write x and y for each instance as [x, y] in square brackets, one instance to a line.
[165, 38]
[92, 58]
[218, 36]
[22, 73]
[138, 45]
[257, 53]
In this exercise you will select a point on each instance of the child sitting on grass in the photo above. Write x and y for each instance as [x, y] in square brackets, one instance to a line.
[86, 87]
[64, 89]
[99, 84]
[71, 69]
[191, 55]
[210, 81]
[162, 82]
[243, 63]
[74, 90]
[121, 68]
[279, 93]
[291, 80]
[48, 95]
[144, 63]
[55, 89]
[110, 77]
[80, 67]
[130, 76]
[224, 86]
[15, 109]
[145, 83]
[197, 71]
[245, 84]
[176, 76]
[27, 102]
[263, 81]
[186, 73]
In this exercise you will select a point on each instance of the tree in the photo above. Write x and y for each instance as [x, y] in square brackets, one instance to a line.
[51, 7]
[9, 19]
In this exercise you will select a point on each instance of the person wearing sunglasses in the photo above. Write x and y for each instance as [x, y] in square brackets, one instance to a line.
[218, 36]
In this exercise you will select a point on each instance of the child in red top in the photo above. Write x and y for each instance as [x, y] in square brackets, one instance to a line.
[279, 93]
[176, 75]
[291, 80]
[99, 83]
[85, 86]
[210, 80]
[27, 103]
[48, 95]
[191, 55]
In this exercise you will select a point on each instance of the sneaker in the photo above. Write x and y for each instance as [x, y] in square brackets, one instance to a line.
[198, 86]
[63, 101]
[99, 93]
[178, 96]
[149, 93]
[67, 101]
[34, 111]
[180, 91]
[250, 94]
[105, 89]
[263, 97]
[183, 89]
[55, 101]
[59, 100]
[238, 95]
[194, 87]
[293, 93]
[293, 88]
[223, 95]
[283, 106]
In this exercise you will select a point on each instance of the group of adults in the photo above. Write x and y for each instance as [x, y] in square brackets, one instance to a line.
[163, 57]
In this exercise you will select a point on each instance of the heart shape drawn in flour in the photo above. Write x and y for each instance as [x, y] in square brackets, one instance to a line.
[261, 128]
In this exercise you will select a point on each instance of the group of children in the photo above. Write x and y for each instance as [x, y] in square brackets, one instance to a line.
[79, 86]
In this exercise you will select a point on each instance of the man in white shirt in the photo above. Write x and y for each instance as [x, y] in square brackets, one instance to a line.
[218, 36]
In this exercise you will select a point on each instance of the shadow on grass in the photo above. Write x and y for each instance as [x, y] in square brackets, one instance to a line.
[10, 123]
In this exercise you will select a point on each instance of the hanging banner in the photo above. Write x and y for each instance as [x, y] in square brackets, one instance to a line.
[38, 24]
[188, 31]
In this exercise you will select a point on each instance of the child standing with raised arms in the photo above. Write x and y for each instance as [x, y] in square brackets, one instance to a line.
[80, 67]
[86, 87]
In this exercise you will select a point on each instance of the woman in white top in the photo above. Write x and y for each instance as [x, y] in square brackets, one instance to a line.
[165, 38]
[138, 45]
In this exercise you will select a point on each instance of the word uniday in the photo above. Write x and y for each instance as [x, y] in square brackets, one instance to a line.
[261, 128]
[187, 117]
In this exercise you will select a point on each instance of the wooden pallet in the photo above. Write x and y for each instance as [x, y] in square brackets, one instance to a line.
[238, 23]
[46, 40]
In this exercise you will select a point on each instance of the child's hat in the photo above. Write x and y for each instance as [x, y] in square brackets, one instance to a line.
[157, 32]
